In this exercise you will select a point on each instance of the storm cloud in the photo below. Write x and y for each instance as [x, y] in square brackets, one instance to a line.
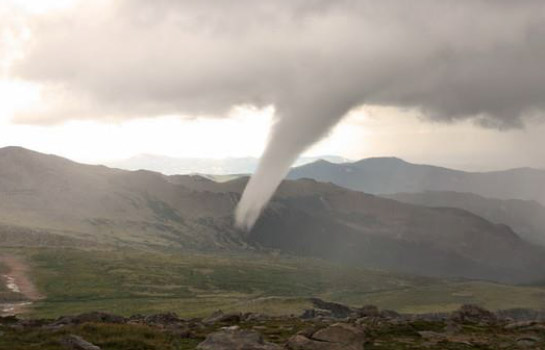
[314, 60]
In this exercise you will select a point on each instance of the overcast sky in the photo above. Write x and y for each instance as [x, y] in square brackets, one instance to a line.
[454, 83]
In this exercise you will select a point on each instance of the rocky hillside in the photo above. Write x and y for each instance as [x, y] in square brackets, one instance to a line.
[393, 175]
[114, 207]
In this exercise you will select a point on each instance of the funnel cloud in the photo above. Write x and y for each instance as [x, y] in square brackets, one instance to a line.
[314, 60]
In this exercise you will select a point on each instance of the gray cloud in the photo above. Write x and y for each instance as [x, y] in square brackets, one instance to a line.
[314, 60]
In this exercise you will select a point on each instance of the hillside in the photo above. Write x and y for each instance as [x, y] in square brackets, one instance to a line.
[526, 218]
[393, 175]
[111, 207]
[104, 205]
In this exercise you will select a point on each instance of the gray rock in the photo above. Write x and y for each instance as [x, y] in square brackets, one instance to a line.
[315, 313]
[473, 314]
[336, 310]
[95, 317]
[167, 318]
[368, 311]
[300, 342]
[390, 314]
[340, 336]
[220, 316]
[232, 338]
[74, 342]
[520, 324]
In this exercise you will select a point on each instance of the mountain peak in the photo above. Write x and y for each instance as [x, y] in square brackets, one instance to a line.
[322, 161]
[15, 149]
[386, 160]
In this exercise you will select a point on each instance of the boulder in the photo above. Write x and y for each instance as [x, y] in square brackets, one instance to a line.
[74, 342]
[220, 316]
[368, 311]
[165, 319]
[340, 336]
[473, 314]
[232, 338]
[315, 313]
[254, 317]
[520, 324]
[337, 310]
[390, 314]
[300, 342]
[95, 317]
[340, 333]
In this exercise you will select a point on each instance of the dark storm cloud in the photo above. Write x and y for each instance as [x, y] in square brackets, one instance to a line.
[314, 60]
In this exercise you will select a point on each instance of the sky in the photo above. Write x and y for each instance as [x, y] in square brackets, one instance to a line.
[108, 89]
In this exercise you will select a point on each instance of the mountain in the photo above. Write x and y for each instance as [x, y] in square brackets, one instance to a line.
[210, 166]
[393, 175]
[527, 218]
[111, 207]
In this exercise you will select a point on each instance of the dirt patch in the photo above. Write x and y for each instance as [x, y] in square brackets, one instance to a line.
[17, 280]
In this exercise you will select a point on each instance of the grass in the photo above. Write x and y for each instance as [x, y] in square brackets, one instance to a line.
[127, 282]
[106, 336]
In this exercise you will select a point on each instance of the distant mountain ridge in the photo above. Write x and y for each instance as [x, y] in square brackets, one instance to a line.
[394, 175]
[113, 207]
[209, 166]
[527, 218]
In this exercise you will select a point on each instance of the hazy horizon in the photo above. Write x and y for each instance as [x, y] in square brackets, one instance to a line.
[157, 162]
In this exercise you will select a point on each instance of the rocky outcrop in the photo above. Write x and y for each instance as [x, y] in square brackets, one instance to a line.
[96, 317]
[339, 336]
[233, 338]
[468, 327]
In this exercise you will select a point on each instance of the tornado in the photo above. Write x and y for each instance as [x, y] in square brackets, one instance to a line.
[296, 128]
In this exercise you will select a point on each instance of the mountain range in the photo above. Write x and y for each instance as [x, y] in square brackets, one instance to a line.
[393, 175]
[208, 166]
[65, 203]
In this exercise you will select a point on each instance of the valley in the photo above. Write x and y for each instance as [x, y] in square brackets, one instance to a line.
[94, 238]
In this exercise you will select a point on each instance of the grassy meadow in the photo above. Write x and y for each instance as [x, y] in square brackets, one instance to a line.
[129, 281]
